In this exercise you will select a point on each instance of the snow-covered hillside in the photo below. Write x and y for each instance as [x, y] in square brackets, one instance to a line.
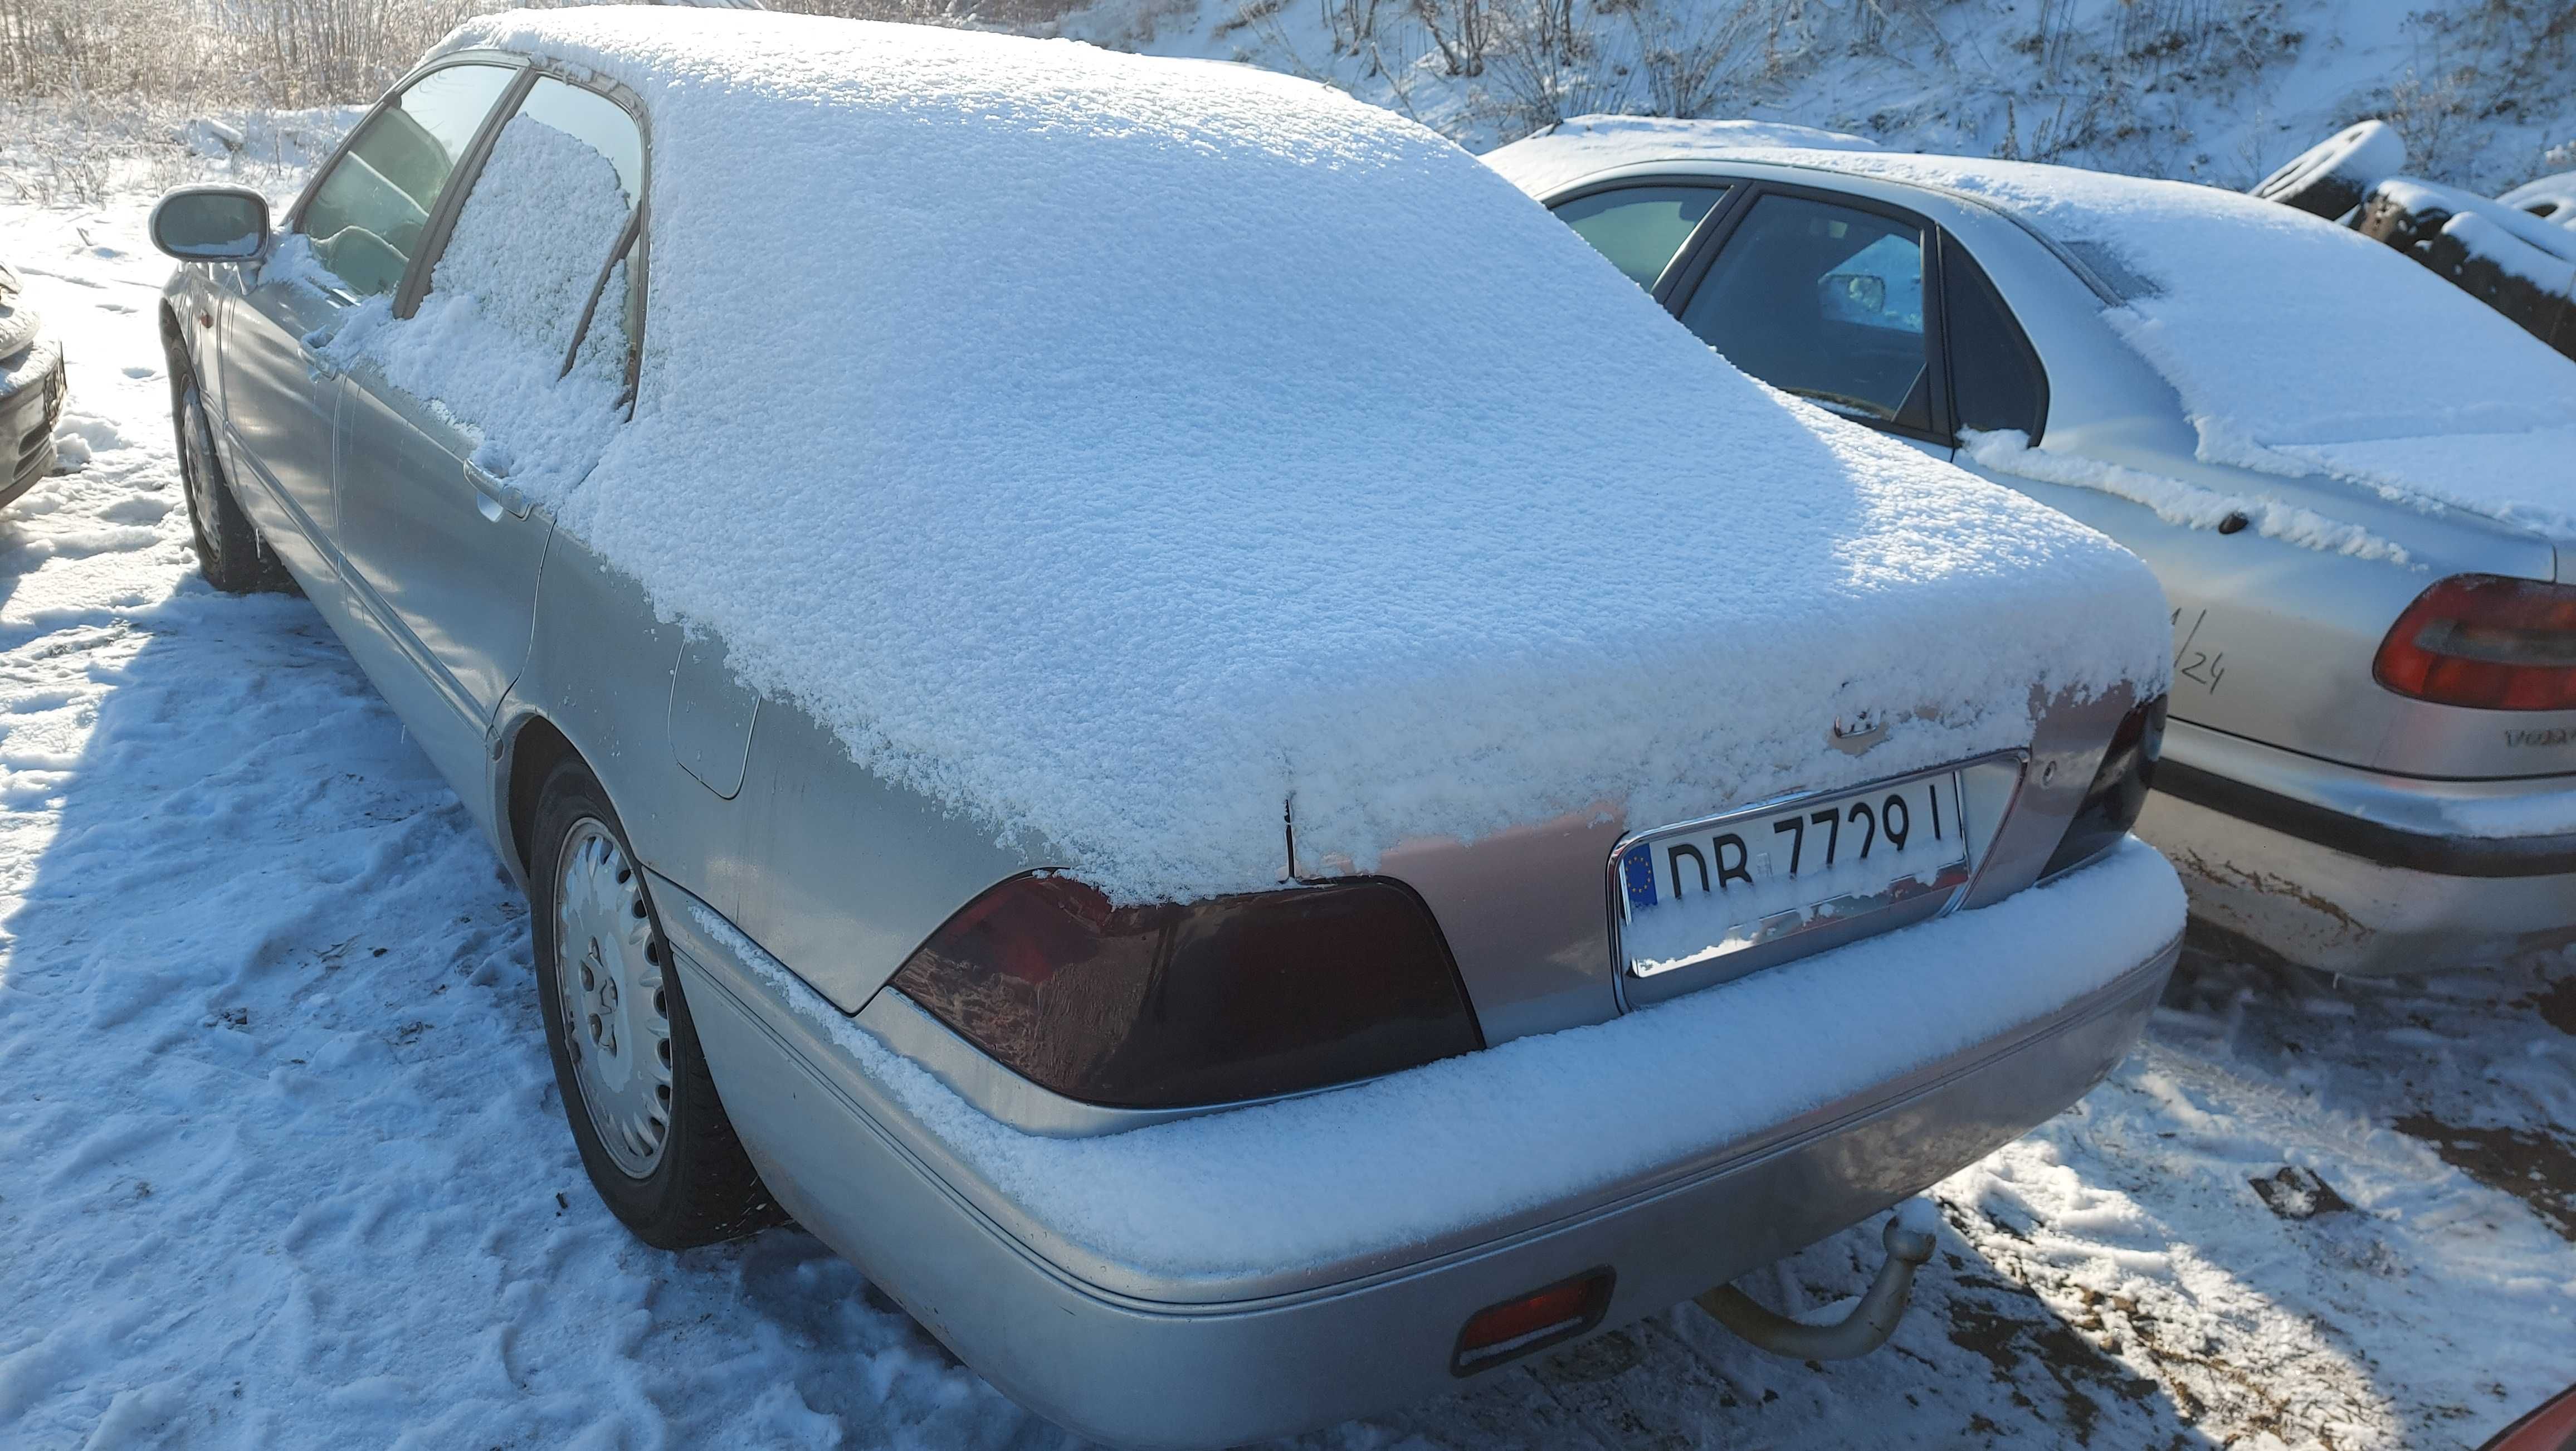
[2201, 90]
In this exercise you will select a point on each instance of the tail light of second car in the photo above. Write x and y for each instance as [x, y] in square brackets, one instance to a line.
[2485, 641]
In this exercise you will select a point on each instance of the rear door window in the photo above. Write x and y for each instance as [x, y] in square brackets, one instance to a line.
[539, 257]
[1995, 377]
[1640, 228]
[1824, 301]
[366, 219]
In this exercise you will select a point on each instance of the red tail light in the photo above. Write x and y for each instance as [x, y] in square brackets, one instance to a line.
[2486, 641]
[1174, 1005]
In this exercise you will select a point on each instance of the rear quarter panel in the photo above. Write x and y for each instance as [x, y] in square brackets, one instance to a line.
[2273, 640]
[834, 872]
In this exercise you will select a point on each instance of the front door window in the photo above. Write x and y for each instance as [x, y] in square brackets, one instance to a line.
[367, 217]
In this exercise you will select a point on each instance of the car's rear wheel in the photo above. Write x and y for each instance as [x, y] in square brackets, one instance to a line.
[652, 1133]
[230, 553]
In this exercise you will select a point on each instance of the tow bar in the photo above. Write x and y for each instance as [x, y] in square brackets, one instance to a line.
[1909, 1237]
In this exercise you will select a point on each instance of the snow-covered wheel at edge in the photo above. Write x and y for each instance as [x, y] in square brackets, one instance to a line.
[230, 553]
[652, 1133]
[2330, 178]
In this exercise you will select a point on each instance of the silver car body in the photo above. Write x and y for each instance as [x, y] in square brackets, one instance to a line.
[2327, 818]
[505, 643]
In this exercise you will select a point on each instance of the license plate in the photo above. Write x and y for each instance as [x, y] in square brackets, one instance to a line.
[1704, 889]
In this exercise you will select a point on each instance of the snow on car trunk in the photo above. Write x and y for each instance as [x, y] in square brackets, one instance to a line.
[1123, 451]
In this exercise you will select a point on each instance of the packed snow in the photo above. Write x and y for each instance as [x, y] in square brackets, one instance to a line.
[281, 1161]
[1425, 1153]
[1124, 540]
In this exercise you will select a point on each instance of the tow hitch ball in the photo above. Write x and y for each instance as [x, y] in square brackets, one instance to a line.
[1909, 1238]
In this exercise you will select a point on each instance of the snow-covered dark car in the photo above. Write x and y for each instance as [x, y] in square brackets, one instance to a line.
[2357, 486]
[32, 385]
[1101, 689]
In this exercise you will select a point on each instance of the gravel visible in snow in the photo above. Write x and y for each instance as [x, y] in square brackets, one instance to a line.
[281, 1163]
[1122, 540]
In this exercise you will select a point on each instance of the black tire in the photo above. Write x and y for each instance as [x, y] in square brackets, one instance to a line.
[230, 553]
[2405, 213]
[702, 1187]
[2330, 178]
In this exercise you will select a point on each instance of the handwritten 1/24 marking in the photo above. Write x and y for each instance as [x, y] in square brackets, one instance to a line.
[2200, 667]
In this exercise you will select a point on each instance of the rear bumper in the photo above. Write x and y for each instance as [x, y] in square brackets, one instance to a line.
[2358, 872]
[1124, 1358]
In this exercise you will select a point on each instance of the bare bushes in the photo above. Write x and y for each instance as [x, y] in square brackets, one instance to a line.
[1523, 64]
[263, 52]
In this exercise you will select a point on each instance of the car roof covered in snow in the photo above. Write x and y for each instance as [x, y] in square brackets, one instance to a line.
[1120, 450]
[2296, 345]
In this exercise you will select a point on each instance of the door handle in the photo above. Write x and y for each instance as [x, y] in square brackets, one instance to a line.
[498, 495]
[317, 367]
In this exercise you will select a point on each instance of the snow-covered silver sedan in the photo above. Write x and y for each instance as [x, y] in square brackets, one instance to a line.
[2357, 486]
[1101, 690]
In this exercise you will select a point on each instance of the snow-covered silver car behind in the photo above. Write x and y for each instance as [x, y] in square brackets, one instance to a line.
[1117, 708]
[2357, 486]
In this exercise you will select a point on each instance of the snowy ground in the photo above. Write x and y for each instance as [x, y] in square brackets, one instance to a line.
[281, 1161]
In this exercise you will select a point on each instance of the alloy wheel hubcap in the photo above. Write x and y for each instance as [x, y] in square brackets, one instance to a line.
[609, 982]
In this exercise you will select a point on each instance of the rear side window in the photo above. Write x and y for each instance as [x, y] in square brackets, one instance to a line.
[1823, 301]
[366, 218]
[1639, 228]
[1995, 378]
[540, 248]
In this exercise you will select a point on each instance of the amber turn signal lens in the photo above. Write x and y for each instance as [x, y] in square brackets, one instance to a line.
[1533, 1322]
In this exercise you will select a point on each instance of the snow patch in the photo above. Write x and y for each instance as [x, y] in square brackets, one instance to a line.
[1571, 150]
[2188, 505]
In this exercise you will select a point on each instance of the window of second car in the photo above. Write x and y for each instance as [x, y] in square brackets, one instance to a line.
[538, 249]
[1824, 301]
[1639, 228]
[1995, 380]
[366, 218]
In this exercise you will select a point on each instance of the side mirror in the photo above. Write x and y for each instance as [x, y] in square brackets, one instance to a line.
[211, 224]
